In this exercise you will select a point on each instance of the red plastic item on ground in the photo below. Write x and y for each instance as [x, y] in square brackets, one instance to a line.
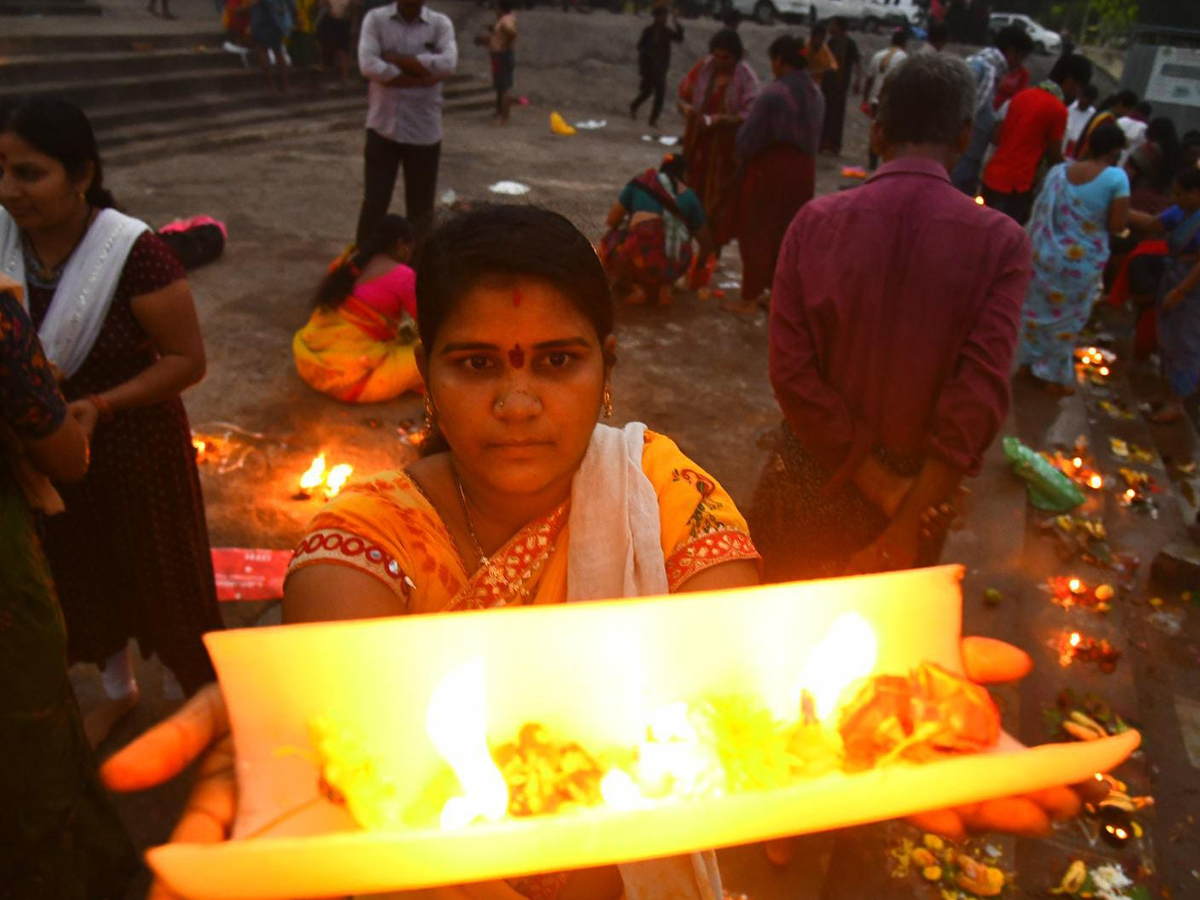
[700, 275]
[249, 574]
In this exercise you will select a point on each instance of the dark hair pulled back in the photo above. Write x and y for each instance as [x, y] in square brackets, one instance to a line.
[59, 129]
[728, 40]
[509, 241]
[339, 283]
[789, 51]
[1105, 139]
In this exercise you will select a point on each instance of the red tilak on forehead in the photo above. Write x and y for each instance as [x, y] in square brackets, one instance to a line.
[516, 356]
[516, 297]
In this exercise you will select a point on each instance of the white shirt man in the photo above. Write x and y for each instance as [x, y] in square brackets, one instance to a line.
[405, 51]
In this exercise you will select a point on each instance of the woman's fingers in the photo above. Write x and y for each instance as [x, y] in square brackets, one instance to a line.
[169, 747]
[945, 822]
[1058, 802]
[208, 815]
[989, 661]
[1013, 815]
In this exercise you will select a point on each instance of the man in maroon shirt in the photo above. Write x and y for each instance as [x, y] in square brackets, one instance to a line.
[894, 318]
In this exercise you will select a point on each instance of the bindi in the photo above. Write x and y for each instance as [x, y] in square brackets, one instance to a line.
[516, 297]
[516, 356]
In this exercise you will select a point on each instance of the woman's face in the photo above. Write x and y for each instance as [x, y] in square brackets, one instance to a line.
[35, 188]
[516, 376]
[723, 61]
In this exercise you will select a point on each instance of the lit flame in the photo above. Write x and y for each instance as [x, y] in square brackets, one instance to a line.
[337, 478]
[1103, 369]
[311, 480]
[1130, 493]
[456, 722]
[1075, 585]
[1075, 638]
[1077, 462]
[1095, 482]
[979, 199]
[620, 791]
[846, 654]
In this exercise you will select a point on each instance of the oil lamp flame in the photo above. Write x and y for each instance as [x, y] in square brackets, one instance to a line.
[979, 200]
[336, 478]
[312, 479]
[845, 655]
[456, 722]
[1095, 482]
[1103, 370]
[1075, 585]
[1075, 638]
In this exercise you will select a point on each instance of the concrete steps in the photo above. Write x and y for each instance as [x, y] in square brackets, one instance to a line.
[150, 95]
[49, 8]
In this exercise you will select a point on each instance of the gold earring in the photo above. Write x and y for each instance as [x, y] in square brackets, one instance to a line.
[607, 400]
[430, 412]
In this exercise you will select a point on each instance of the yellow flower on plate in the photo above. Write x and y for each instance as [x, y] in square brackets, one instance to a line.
[1075, 252]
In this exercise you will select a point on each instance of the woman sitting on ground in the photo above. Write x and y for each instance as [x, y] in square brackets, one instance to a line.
[1080, 205]
[359, 345]
[651, 226]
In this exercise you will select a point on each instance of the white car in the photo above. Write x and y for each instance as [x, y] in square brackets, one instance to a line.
[768, 11]
[892, 14]
[1044, 40]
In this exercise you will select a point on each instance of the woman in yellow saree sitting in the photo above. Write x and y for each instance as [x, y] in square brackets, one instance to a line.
[359, 344]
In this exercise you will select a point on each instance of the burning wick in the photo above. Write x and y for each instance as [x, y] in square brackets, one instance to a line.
[311, 480]
[1074, 641]
[1103, 370]
[1077, 462]
[979, 201]
[337, 479]
[1095, 482]
[1130, 493]
[1075, 585]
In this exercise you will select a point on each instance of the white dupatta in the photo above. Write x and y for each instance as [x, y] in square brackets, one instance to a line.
[616, 551]
[86, 289]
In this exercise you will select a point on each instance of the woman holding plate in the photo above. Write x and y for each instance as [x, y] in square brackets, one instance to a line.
[520, 498]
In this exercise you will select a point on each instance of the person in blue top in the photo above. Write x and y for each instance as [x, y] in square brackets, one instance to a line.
[650, 232]
[1178, 293]
[1080, 205]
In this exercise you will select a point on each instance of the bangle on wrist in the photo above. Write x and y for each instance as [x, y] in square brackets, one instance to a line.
[102, 407]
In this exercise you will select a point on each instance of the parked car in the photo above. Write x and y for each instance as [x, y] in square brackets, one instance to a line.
[768, 11]
[1044, 40]
[892, 14]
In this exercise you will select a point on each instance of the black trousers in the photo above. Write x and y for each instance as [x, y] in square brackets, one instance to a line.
[382, 159]
[652, 83]
[1017, 205]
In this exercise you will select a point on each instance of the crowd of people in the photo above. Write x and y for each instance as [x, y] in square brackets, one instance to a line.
[503, 317]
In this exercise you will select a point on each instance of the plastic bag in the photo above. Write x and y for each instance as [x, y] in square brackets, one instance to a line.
[1047, 487]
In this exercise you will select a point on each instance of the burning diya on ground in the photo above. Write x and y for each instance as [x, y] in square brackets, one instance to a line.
[430, 750]
[1094, 363]
[1069, 590]
[1139, 490]
[1077, 464]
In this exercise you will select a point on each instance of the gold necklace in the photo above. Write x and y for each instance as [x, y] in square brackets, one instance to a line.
[462, 501]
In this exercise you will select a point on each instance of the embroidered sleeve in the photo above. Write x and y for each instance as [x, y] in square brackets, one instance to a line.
[358, 529]
[701, 526]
